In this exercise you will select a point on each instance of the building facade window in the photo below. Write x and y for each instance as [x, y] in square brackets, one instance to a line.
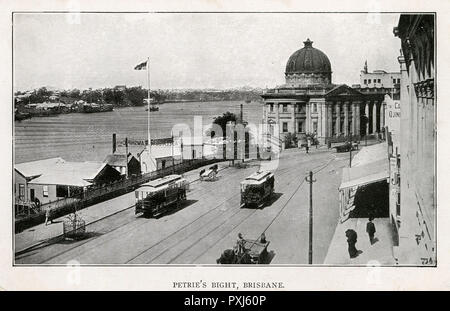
[21, 191]
[302, 108]
[365, 81]
[315, 127]
[285, 107]
[369, 81]
[285, 127]
[45, 191]
[271, 107]
[301, 126]
[314, 108]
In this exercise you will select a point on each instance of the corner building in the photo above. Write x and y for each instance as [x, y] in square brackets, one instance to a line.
[310, 103]
[415, 217]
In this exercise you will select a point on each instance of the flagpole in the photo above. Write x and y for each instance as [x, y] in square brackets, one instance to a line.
[148, 103]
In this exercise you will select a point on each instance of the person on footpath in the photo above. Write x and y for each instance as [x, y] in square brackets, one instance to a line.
[352, 238]
[48, 216]
[370, 229]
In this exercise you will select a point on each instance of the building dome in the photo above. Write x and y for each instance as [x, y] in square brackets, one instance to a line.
[308, 66]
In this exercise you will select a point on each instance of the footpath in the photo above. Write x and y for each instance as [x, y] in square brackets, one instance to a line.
[41, 233]
[378, 254]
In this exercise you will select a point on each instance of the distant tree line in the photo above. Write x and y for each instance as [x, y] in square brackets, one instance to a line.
[134, 96]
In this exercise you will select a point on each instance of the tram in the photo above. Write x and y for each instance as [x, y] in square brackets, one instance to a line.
[257, 188]
[160, 195]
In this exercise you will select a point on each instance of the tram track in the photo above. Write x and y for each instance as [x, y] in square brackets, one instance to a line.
[51, 241]
[201, 193]
[169, 248]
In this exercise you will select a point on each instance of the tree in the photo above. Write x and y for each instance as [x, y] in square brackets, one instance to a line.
[290, 140]
[136, 95]
[75, 93]
[223, 120]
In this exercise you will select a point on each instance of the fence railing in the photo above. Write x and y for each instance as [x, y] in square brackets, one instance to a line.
[104, 192]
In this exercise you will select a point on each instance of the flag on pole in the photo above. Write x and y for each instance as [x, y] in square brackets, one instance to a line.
[141, 66]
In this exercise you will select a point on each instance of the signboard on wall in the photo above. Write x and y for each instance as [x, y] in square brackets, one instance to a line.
[392, 116]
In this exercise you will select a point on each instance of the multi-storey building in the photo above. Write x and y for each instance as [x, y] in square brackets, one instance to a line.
[310, 103]
[415, 218]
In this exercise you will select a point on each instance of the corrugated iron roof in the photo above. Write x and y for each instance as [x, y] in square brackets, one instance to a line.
[36, 168]
[70, 173]
[116, 159]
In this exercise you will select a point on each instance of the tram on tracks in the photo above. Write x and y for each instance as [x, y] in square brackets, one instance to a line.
[257, 188]
[160, 195]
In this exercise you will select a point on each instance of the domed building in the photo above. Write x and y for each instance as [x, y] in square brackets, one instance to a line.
[308, 66]
[309, 102]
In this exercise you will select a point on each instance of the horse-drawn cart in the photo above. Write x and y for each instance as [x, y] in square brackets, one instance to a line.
[255, 252]
[209, 174]
[346, 147]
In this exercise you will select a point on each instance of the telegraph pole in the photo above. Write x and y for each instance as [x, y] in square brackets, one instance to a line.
[310, 179]
[126, 156]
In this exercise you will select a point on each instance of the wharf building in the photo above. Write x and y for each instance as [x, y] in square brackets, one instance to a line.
[309, 103]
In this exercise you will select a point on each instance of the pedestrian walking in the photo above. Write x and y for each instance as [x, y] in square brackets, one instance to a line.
[352, 237]
[370, 229]
[48, 216]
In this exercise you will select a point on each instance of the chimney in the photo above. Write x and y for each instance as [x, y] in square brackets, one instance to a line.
[114, 143]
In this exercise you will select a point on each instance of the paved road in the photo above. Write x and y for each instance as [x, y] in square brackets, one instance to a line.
[210, 219]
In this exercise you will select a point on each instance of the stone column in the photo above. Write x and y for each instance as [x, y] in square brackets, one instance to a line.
[366, 111]
[308, 116]
[346, 123]
[294, 125]
[319, 119]
[338, 118]
[276, 106]
[324, 119]
[330, 120]
[374, 117]
[357, 118]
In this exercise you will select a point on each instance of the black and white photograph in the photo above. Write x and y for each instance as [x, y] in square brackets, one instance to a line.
[221, 138]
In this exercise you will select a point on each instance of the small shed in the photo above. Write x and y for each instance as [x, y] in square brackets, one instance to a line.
[119, 162]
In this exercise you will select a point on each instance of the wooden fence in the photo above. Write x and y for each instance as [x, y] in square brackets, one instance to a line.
[104, 192]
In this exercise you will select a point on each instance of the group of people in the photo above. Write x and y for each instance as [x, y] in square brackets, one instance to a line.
[352, 237]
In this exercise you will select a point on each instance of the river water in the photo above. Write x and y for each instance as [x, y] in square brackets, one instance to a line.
[88, 137]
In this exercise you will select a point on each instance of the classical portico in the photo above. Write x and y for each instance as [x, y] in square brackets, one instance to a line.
[310, 103]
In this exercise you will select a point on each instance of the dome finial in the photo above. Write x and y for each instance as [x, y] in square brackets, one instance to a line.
[308, 43]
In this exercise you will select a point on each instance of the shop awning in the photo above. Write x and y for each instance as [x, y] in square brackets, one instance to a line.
[365, 174]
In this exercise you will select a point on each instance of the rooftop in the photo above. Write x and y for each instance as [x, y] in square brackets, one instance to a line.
[116, 159]
[36, 168]
[56, 171]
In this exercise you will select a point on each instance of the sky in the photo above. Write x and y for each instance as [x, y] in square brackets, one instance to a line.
[192, 50]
